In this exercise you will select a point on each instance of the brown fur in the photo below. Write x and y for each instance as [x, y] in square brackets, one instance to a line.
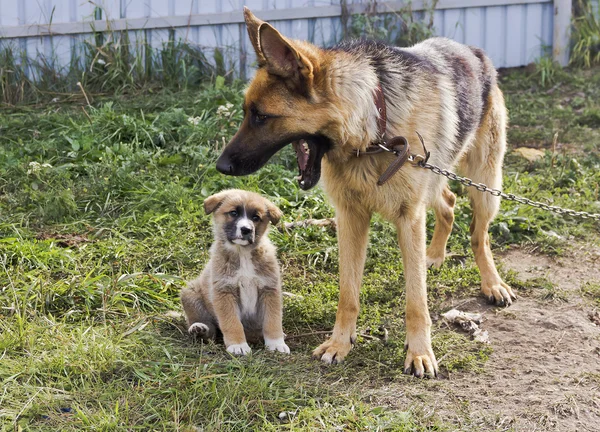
[452, 99]
[239, 291]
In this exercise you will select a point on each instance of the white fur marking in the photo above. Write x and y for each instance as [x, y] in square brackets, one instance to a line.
[199, 328]
[248, 286]
[277, 345]
[242, 223]
[239, 349]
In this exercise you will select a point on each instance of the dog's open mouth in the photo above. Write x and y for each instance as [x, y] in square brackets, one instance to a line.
[309, 155]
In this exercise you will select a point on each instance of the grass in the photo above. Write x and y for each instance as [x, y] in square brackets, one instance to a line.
[101, 222]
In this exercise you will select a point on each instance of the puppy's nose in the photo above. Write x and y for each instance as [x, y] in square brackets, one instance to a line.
[245, 230]
[224, 165]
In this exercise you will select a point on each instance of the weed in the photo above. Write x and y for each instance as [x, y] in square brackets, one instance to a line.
[401, 28]
[546, 71]
[586, 35]
[591, 290]
[111, 64]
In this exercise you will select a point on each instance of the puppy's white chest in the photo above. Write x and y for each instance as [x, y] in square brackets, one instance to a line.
[248, 283]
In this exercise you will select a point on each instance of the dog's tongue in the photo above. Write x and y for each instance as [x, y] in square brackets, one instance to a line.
[302, 154]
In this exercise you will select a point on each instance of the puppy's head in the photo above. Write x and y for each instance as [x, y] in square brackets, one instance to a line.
[241, 217]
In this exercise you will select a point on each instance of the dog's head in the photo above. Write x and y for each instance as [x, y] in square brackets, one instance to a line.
[284, 103]
[241, 217]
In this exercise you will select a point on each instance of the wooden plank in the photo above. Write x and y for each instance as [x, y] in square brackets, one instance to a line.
[533, 33]
[454, 24]
[439, 27]
[230, 17]
[547, 25]
[495, 35]
[474, 26]
[562, 31]
[9, 16]
[515, 35]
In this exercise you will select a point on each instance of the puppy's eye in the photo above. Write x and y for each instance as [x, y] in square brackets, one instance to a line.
[233, 213]
[256, 218]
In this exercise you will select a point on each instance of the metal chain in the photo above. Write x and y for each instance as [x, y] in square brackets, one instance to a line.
[497, 192]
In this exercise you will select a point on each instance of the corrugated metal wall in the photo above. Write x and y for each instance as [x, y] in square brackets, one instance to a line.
[512, 35]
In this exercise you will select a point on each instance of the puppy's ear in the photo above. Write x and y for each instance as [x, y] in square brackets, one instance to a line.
[213, 202]
[273, 212]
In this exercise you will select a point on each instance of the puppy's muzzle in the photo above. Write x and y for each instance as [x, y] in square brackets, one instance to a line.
[247, 234]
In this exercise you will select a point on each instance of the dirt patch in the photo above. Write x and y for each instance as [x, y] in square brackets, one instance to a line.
[544, 372]
[568, 272]
[64, 240]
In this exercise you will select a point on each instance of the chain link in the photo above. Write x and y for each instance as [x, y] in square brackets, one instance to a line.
[497, 192]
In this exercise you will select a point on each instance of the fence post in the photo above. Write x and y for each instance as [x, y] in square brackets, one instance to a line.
[562, 31]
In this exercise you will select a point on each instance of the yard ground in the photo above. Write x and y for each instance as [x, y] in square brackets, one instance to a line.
[101, 223]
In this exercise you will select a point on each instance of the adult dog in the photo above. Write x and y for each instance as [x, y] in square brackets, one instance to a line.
[329, 102]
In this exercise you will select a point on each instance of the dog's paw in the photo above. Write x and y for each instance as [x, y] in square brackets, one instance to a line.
[498, 293]
[333, 351]
[435, 261]
[239, 349]
[420, 362]
[277, 345]
[198, 329]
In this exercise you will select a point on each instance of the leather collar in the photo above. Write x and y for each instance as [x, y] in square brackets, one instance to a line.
[397, 145]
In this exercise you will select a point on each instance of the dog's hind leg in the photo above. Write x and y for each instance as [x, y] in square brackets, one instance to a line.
[444, 218]
[199, 320]
[483, 164]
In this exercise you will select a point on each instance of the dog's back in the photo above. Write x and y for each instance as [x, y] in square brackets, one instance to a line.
[450, 80]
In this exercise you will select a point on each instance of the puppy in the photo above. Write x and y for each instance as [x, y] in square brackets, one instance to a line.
[239, 291]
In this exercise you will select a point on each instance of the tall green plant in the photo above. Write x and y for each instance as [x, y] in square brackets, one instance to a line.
[401, 27]
[586, 35]
[109, 63]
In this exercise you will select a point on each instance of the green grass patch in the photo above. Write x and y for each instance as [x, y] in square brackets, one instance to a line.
[101, 222]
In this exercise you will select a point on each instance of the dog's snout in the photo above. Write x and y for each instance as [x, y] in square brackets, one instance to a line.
[224, 165]
[245, 230]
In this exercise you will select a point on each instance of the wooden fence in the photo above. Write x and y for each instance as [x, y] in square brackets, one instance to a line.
[512, 32]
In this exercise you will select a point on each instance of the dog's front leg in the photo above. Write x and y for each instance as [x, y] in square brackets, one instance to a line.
[272, 328]
[420, 359]
[353, 235]
[227, 312]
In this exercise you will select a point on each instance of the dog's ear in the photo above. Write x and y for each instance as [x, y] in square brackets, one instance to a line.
[281, 57]
[253, 26]
[273, 212]
[213, 202]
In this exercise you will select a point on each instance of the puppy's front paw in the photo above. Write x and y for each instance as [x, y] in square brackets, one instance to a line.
[198, 329]
[239, 349]
[277, 345]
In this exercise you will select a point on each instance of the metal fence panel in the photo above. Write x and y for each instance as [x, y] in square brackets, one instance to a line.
[512, 32]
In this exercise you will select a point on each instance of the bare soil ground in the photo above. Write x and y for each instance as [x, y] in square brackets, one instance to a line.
[544, 372]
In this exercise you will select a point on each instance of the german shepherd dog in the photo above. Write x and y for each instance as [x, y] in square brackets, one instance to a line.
[324, 99]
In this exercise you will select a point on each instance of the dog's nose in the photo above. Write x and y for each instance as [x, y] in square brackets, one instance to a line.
[245, 230]
[224, 165]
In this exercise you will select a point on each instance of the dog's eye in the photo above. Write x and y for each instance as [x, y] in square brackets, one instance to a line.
[233, 213]
[261, 118]
[256, 218]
